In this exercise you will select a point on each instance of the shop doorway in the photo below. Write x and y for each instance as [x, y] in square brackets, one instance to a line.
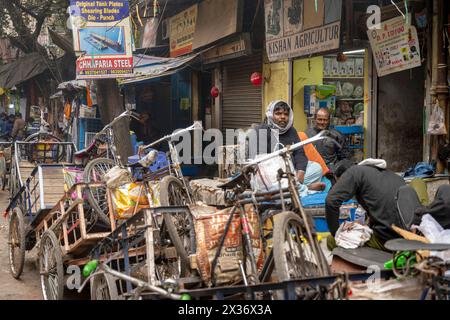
[400, 118]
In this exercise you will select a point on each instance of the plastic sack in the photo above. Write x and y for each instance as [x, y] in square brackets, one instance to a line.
[434, 232]
[116, 177]
[436, 125]
[128, 199]
[266, 177]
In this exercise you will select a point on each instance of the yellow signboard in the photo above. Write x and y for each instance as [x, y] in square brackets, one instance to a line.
[182, 29]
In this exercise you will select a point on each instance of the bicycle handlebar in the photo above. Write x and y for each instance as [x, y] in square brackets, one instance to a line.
[196, 126]
[288, 149]
[124, 114]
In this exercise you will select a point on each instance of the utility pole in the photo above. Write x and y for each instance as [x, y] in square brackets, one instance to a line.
[439, 89]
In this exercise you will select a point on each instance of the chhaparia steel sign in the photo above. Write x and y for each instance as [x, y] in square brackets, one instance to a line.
[102, 38]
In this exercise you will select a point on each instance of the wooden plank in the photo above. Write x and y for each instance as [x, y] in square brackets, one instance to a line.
[65, 235]
[81, 213]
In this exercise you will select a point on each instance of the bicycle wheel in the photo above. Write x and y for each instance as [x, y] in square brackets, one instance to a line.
[40, 136]
[180, 226]
[45, 137]
[293, 254]
[16, 242]
[96, 196]
[103, 287]
[51, 267]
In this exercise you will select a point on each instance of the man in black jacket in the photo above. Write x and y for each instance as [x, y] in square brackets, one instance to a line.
[334, 149]
[375, 189]
[280, 130]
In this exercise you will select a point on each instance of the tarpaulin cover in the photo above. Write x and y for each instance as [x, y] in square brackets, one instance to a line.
[149, 67]
[23, 69]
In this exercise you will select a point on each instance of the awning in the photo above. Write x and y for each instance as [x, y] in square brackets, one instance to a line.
[149, 67]
[21, 70]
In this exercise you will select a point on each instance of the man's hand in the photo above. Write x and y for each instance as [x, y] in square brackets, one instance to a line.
[301, 176]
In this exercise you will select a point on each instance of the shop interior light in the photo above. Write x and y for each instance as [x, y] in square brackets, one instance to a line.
[355, 51]
[11, 106]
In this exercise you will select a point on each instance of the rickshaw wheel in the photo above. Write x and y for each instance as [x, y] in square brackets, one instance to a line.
[97, 198]
[103, 287]
[51, 267]
[292, 252]
[16, 242]
[179, 225]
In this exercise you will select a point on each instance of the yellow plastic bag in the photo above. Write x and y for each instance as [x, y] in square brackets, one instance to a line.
[128, 199]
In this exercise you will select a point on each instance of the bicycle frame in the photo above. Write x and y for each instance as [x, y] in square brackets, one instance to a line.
[175, 162]
[285, 153]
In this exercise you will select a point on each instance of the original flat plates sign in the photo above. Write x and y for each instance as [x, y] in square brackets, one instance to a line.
[296, 28]
[182, 29]
[102, 38]
[395, 46]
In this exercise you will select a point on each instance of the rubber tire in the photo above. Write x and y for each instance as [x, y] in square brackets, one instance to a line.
[37, 134]
[111, 284]
[18, 213]
[102, 216]
[171, 228]
[280, 222]
[60, 155]
[59, 265]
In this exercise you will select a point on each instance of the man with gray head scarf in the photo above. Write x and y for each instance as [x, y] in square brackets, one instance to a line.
[280, 131]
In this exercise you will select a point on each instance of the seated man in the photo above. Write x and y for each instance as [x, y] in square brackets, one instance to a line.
[280, 119]
[375, 189]
[332, 150]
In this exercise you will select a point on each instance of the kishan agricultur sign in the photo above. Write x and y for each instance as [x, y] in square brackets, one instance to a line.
[298, 28]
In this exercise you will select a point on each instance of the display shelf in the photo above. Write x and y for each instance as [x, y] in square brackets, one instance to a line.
[344, 78]
[349, 99]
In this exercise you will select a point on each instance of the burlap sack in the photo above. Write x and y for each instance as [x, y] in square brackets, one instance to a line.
[209, 227]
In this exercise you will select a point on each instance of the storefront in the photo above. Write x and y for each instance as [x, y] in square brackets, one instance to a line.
[162, 88]
[340, 83]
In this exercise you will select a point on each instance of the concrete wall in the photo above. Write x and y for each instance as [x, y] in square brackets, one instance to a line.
[276, 83]
[306, 72]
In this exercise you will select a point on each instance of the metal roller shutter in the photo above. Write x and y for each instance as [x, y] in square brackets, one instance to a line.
[241, 104]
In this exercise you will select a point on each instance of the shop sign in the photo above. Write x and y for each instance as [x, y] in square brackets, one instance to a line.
[102, 38]
[395, 46]
[233, 49]
[182, 29]
[292, 30]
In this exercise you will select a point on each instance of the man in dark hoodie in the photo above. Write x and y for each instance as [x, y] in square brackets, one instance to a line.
[280, 131]
[375, 189]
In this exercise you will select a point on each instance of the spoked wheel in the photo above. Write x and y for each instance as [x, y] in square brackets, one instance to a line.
[103, 287]
[57, 150]
[41, 136]
[180, 226]
[292, 251]
[51, 267]
[16, 242]
[94, 172]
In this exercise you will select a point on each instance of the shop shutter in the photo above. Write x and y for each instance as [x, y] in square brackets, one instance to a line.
[242, 101]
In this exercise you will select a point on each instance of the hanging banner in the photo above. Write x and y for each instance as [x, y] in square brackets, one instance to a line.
[102, 38]
[294, 28]
[182, 29]
[395, 46]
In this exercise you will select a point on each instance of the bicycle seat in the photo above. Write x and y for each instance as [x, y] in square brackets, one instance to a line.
[407, 203]
[237, 180]
[85, 152]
